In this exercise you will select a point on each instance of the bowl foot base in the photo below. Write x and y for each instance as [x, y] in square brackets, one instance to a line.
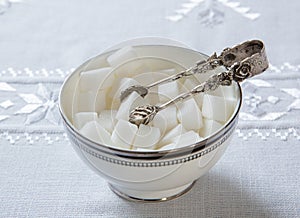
[150, 196]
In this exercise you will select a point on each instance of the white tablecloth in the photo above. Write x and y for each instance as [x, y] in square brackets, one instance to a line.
[42, 41]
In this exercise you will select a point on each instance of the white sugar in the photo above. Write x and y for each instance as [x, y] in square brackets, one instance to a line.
[146, 137]
[131, 102]
[123, 134]
[122, 55]
[81, 118]
[107, 119]
[97, 133]
[189, 115]
[100, 116]
[217, 108]
[166, 119]
[168, 91]
[209, 127]
[94, 80]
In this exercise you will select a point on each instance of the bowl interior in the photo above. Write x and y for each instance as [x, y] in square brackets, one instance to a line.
[183, 58]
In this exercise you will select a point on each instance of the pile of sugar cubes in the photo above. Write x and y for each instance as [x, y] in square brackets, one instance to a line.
[100, 116]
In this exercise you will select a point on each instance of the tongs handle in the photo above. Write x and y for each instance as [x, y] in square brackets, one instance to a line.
[242, 61]
[240, 56]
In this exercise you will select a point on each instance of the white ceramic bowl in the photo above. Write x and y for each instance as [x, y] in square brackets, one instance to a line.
[143, 175]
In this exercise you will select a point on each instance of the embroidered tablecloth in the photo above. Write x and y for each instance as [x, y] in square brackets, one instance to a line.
[43, 41]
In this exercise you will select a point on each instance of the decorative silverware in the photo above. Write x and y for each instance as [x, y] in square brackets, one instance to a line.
[241, 62]
[227, 58]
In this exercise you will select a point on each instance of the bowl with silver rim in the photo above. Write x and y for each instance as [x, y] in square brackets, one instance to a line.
[154, 175]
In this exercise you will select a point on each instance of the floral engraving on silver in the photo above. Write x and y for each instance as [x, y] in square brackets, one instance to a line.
[247, 60]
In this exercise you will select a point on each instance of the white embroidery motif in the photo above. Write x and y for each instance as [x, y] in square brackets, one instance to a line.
[210, 13]
[42, 104]
[32, 102]
[5, 87]
[273, 96]
[6, 104]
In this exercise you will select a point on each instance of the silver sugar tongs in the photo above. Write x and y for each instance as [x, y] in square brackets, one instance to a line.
[241, 62]
[227, 58]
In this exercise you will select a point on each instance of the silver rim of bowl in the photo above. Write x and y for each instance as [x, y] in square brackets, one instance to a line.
[150, 200]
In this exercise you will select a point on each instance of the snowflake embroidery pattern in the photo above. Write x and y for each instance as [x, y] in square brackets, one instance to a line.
[257, 103]
[40, 105]
[6, 88]
[210, 13]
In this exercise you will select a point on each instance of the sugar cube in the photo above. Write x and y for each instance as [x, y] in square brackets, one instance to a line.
[131, 68]
[86, 101]
[229, 91]
[168, 91]
[131, 102]
[81, 118]
[209, 127]
[123, 84]
[91, 101]
[167, 72]
[146, 137]
[124, 54]
[116, 91]
[224, 91]
[152, 97]
[172, 134]
[99, 62]
[94, 80]
[107, 119]
[217, 108]
[123, 134]
[95, 132]
[166, 119]
[189, 85]
[186, 139]
[147, 78]
[100, 101]
[189, 115]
